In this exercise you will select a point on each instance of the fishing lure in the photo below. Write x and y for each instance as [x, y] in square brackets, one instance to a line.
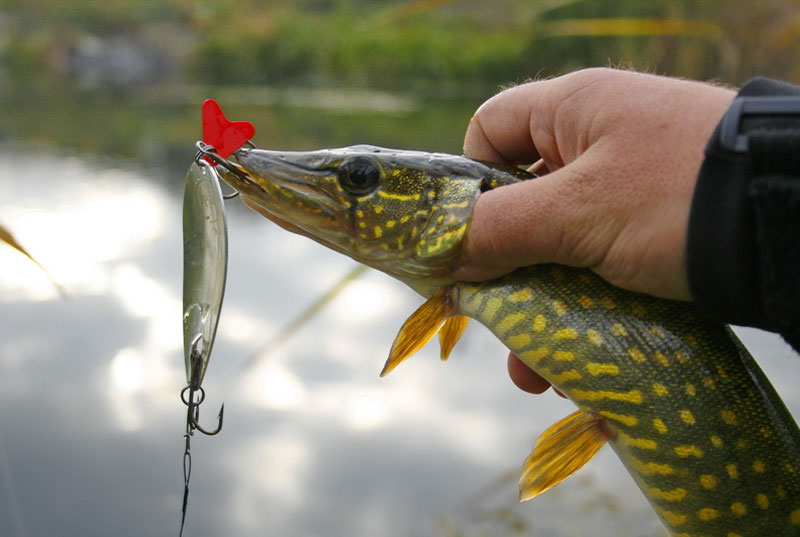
[205, 263]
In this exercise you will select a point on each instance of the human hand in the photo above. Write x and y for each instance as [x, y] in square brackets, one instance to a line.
[619, 153]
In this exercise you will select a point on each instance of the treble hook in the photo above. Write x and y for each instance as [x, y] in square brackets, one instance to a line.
[192, 402]
[193, 411]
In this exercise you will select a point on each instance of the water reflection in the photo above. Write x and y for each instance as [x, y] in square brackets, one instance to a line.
[315, 444]
[276, 387]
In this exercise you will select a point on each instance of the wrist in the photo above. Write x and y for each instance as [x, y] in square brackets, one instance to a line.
[724, 249]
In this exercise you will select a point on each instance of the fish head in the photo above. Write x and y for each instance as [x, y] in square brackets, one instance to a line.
[405, 213]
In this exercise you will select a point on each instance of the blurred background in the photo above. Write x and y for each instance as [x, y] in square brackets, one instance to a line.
[99, 112]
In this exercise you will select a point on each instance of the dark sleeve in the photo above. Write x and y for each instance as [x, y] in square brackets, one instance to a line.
[743, 244]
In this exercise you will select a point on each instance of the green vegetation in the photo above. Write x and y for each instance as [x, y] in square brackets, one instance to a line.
[439, 48]
[444, 56]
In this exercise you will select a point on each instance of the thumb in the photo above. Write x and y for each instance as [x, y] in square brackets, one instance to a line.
[535, 221]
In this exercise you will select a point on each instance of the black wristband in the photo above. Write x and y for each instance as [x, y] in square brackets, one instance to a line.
[743, 238]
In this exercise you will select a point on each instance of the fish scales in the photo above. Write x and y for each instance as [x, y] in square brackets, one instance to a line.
[680, 400]
[689, 413]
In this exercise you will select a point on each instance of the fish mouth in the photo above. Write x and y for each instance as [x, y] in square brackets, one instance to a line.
[279, 185]
[274, 179]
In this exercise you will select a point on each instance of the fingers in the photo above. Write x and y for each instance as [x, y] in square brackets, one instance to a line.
[524, 377]
[500, 129]
[539, 168]
[534, 221]
[512, 126]
[521, 124]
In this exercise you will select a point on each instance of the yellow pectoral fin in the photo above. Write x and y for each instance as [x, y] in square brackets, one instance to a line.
[561, 451]
[450, 333]
[421, 326]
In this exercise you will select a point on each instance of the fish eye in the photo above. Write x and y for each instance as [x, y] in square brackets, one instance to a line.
[359, 175]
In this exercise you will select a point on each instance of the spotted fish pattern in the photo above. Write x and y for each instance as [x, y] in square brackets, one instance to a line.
[686, 408]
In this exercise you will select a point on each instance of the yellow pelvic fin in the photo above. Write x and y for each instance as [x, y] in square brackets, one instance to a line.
[450, 333]
[421, 327]
[561, 451]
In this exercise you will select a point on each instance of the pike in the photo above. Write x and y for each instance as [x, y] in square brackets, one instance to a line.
[677, 396]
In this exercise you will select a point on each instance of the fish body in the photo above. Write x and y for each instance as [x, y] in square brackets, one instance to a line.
[680, 400]
[683, 404]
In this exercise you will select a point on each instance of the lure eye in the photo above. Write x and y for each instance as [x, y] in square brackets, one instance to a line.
[359, 175]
